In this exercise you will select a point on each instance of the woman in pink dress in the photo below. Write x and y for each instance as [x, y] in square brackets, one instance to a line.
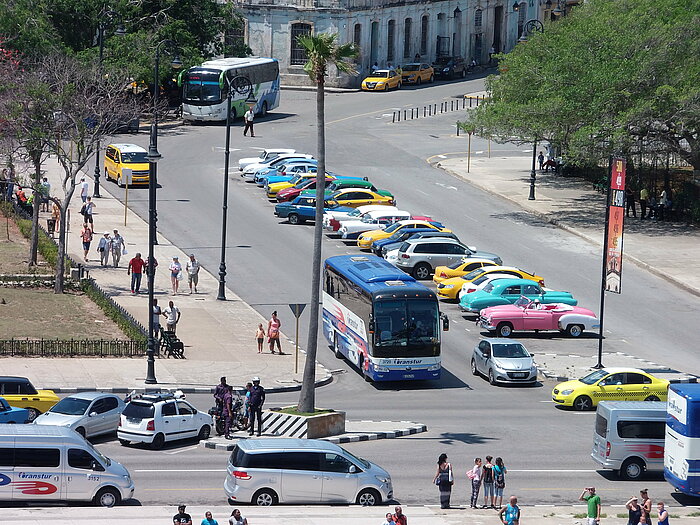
[273, 332]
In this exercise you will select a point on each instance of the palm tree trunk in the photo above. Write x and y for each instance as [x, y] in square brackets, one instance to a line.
[307, 396]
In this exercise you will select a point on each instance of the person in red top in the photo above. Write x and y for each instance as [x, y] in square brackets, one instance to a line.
[400, 517]
[136, 265]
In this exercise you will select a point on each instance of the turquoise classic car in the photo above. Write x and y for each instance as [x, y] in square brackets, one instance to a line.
[507, 291]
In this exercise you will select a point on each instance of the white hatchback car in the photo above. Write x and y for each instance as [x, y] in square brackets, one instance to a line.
[158, 418]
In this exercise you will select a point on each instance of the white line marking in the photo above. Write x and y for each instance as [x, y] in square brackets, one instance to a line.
[442, 156]
[187, 449]
[478, 152]
[180, 470]
[552, 470]
[421, 191]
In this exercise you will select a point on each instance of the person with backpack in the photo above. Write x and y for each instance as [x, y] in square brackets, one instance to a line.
[487, 482]
[474, 475]
[444, 480]
[499, 481]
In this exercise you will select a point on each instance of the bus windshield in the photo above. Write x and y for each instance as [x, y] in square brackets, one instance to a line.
[202, 86]
[406, 328]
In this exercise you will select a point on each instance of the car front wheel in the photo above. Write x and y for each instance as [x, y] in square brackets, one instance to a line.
[574, 330]
[504, 330]
[107, 497]
[368, 498]
[583, 403]
[474, 369]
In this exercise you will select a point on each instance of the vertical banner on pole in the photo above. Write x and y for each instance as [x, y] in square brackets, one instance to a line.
[297, 309]
[615, 227]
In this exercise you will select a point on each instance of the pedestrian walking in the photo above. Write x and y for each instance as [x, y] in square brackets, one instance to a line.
[499, 481]
[192, 268]
[248, 117]
[540, 160]
[175, 274]
[86, 236]
[643, 199]
[88, 211]
[117, 246]
[510, 514]
[83, 190]
[634, 511]
[474, 475]
[663, 513]
[273, 332]
[156, 313]
[182, 518]
[399, 517]
[45, 190]
[208, 520]
[104, 248]
[257, 399]
[56, 217]
[227, 401]
[172, 314]
[135, 268]
[487, 482]
[646, 504]
[389, 519]
[593, 500]
[237, 519]
[260, 337]
[444, 480]
[629, 203]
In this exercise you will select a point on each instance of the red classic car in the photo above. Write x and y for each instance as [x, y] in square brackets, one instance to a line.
[289, 194]
[531, 315]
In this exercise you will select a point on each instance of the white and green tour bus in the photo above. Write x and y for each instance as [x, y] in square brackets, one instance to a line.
[205, 87]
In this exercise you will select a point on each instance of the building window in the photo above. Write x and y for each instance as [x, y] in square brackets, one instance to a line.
[478, 15]
[390, 39]
[407, 38]
[298, 53]
[521, 18]
[424, 35]
[357, 36]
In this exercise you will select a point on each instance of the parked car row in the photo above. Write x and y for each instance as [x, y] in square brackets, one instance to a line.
[445, 67]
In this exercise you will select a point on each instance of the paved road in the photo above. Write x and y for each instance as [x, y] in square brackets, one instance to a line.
[547, 449]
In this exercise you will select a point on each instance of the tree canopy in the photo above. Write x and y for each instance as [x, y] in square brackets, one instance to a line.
[607, 76]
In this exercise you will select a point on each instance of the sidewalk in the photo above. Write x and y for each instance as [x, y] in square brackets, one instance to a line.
[325, 515]
[669, 250]
[218, 335]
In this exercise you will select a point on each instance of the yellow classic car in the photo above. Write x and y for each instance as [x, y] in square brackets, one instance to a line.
[449, 288]
[365, 240]
[417, 73]
[356, 197]
[610, 384]
[382, 80]
[273, 189]
[19, 392]
[459, 269]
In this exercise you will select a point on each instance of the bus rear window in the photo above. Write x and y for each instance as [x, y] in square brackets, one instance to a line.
[601, 426]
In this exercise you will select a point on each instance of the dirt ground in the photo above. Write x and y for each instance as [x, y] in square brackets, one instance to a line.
[39, 313]
[14, 251]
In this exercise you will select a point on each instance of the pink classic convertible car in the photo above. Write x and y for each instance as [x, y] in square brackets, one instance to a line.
[531, 315]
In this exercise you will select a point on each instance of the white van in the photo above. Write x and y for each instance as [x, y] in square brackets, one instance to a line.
[629, 437]
[51, 463]
[266, 472]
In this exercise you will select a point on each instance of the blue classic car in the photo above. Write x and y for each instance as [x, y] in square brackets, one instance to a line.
[303, 209]
[507, 291]
[10, 414]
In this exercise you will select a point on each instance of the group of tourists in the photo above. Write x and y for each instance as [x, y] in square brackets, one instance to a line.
[490, 475]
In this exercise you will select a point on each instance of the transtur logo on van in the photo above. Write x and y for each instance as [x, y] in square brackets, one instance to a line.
[24, 475]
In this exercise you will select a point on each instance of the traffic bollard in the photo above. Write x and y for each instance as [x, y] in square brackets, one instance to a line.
[470, 101]
[393, 116]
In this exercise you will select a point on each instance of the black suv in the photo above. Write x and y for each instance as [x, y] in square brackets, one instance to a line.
[450, 67]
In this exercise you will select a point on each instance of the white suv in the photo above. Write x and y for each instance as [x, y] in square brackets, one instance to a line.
[157, 418]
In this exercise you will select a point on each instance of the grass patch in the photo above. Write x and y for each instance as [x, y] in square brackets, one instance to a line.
[46, 247]
[622, 515]
[111, 312]
[693, 514]
[676, 516]
[14, 251]
[294, 412]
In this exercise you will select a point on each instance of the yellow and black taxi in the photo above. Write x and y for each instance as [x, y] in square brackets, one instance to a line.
[382, 80]
[119, 157]
[610, 384]
[19, 392]
[417, 73]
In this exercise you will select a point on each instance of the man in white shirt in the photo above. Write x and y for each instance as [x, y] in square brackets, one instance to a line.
[172, 315]
[83, 190]
[192, 269]
[248, 118]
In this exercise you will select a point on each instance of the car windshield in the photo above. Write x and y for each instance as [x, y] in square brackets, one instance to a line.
[367, 217]
[361, 461]
[522, 301]
[509, 350]
[139, 410]
[443, 61]
[481, 279]
[380, 74]
[71, 406]
[473, 274]
[393, 227]
[488, 288]
[304, 183]
[456, 265]
[295, 179]
[406, 328]
[355, 213]
[98, 454]
[134, 157]
[594, 377]
[411, 67]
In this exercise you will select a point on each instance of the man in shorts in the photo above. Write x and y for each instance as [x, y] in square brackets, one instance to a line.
[172, 314]
[589, 496]
[192, 268]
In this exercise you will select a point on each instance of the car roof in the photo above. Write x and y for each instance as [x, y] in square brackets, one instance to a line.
[16, 379]
[510, 281]
[618, 369]
[490, 269]
[90, 395]
[500, 340]
[259, 445]
[128, 148]
[432, 240]
[384, 213]
[381, 71]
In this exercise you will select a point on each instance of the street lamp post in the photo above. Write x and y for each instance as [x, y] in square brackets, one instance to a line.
[106, 15]
[153, 157]
[243, 86]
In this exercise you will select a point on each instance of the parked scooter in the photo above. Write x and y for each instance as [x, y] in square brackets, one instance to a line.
[240, 421]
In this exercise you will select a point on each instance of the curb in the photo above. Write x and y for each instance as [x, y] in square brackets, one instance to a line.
[326, 89]
[187, 390]
[415, 428]
[556, 222]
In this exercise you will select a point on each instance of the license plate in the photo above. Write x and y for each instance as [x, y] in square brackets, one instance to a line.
[520, 374]
[408, 376]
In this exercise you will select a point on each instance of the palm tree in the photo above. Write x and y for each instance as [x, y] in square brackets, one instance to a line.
[321, 50]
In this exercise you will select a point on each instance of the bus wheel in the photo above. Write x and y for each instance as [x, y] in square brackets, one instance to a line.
[336, 348]
[263, 109]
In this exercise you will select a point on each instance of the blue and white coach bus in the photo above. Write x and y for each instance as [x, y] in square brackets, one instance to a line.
[205, 87]
[682, 441]
[381, 319]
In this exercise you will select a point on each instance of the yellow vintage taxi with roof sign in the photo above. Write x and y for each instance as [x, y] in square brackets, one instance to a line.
[382, 80]
[365, 240]
[119, 157]
[610, 384]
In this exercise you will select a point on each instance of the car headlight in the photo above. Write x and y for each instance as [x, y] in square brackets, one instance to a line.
[383, 479]
[447, 286]
[567, 392]
[380, 368]
[411, 76]
[434, 367]
[380, 83]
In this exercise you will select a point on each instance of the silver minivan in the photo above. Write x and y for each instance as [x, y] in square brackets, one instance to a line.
[43, 463]
[270, 471]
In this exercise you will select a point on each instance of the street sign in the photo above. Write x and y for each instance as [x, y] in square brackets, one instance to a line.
[126, 181]
[297, 309]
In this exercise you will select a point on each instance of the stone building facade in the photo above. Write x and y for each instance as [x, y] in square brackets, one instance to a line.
[385, 31]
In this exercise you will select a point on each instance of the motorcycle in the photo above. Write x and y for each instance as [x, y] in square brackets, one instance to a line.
[239, 422]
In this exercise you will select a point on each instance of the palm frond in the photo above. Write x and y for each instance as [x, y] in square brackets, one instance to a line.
[322, 49]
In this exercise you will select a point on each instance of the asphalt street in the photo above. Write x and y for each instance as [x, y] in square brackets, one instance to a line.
[546, 449]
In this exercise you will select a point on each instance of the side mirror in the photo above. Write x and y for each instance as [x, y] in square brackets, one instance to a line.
[445, 323]
[92, 414]
[96, 466]
[352, 469]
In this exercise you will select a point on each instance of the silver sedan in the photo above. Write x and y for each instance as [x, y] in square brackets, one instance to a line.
[88, 413]
[503, 361]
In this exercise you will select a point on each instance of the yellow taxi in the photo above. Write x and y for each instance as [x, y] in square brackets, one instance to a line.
[417, 73]
[356, 197]
[121, 156]
[610, 384]
[274, 188]
[19, 392]
[449, 288]
[382, 80]
[365, 240]
[459, 269]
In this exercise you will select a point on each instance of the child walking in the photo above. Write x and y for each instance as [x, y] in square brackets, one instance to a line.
[260, 336]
